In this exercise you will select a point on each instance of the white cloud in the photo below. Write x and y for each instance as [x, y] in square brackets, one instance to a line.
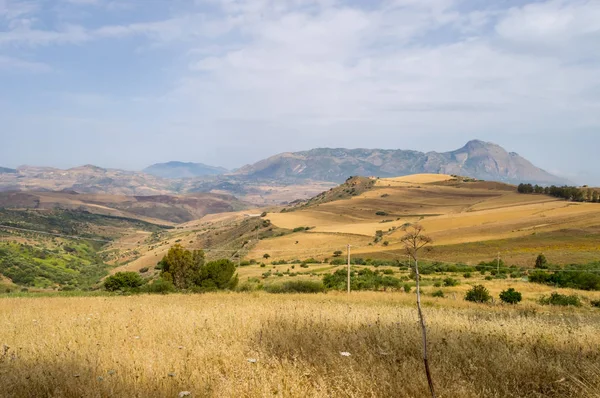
[15, 65]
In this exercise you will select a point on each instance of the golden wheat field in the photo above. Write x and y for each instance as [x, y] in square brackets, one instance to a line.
[259, 345]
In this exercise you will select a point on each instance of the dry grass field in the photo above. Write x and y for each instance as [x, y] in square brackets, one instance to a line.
[259, 345]
[457, 215]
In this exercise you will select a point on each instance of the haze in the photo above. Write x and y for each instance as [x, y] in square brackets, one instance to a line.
[129, 83]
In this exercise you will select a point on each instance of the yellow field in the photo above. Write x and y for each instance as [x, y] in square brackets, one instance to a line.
[259, 345]
[451, 213]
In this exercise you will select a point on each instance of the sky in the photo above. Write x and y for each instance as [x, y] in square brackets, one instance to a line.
[129, 83]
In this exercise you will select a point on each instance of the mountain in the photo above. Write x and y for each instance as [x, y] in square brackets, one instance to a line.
[477, 159]
[5, 170]
[178, 170]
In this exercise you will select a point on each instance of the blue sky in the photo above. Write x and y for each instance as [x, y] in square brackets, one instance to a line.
[133, 82]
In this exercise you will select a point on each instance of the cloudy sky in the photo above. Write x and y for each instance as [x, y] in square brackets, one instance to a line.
[127, 83]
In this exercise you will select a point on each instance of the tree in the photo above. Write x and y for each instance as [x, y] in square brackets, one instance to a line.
[182, 266]
[266, 256]
[595, 197]
[218, 274]
[123, 281]
[414, 241]
[541, 262]
[511, 296]
[478, 294]
[337, 253]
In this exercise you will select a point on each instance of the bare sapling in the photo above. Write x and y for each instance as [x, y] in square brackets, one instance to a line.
[414, 241]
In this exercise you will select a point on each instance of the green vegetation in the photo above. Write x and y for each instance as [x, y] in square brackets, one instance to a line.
[296, 287]
[585, 277]
[561, 299]
[565, 192]
[187, 270]
[541, 262]
[511, 296]
[123, 281]
[478, 294]
[364, 279]
[76, 265]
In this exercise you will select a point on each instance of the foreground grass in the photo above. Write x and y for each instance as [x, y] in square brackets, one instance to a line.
[158, 346]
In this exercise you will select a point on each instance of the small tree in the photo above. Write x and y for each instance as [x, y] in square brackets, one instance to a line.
[266, 256]
[123, 281]
[478, 294]
[511, 296]
[541, 262]
[414, 241]
[337, 253]
[182, 266]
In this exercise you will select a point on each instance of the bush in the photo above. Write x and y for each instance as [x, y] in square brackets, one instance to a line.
[438, 293]
[449, 282]
[123, 281]
[381, 213]
[478, 294]
[561, 299]
[595, 303]
[407, 288]
[144, 270]
[467, 275]
[489, 278]
[160, 286]
[296, 287]
[437, 284]
[511, 296]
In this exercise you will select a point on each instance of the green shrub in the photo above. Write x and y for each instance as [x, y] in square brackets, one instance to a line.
[263, 265]
[438, 293]
[303, 265]
[478, 294]
[561, 299]
[437, 284]
[388, 272]
[123, 281]
[296, 287]
[144, 270]
[381, 213]
[449, 282]
[467, 275]
[489, 278]
[160, 286]
[407, 288]
[511, 296]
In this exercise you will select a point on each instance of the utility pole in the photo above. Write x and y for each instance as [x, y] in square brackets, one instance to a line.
[348, 269]
[498, 264]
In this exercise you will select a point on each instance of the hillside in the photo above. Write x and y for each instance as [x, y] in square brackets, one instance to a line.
[177, 170]
[50, 259]
[476, 159]
[165, 209]
[457, 213]
[5, 170]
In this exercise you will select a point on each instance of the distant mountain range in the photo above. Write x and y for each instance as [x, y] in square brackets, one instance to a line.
[478, 159]
[176, 170]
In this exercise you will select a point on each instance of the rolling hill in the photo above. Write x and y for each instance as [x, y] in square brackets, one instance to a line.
[177, 170]
[476, 159]
[5, 170]
[158, 209]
